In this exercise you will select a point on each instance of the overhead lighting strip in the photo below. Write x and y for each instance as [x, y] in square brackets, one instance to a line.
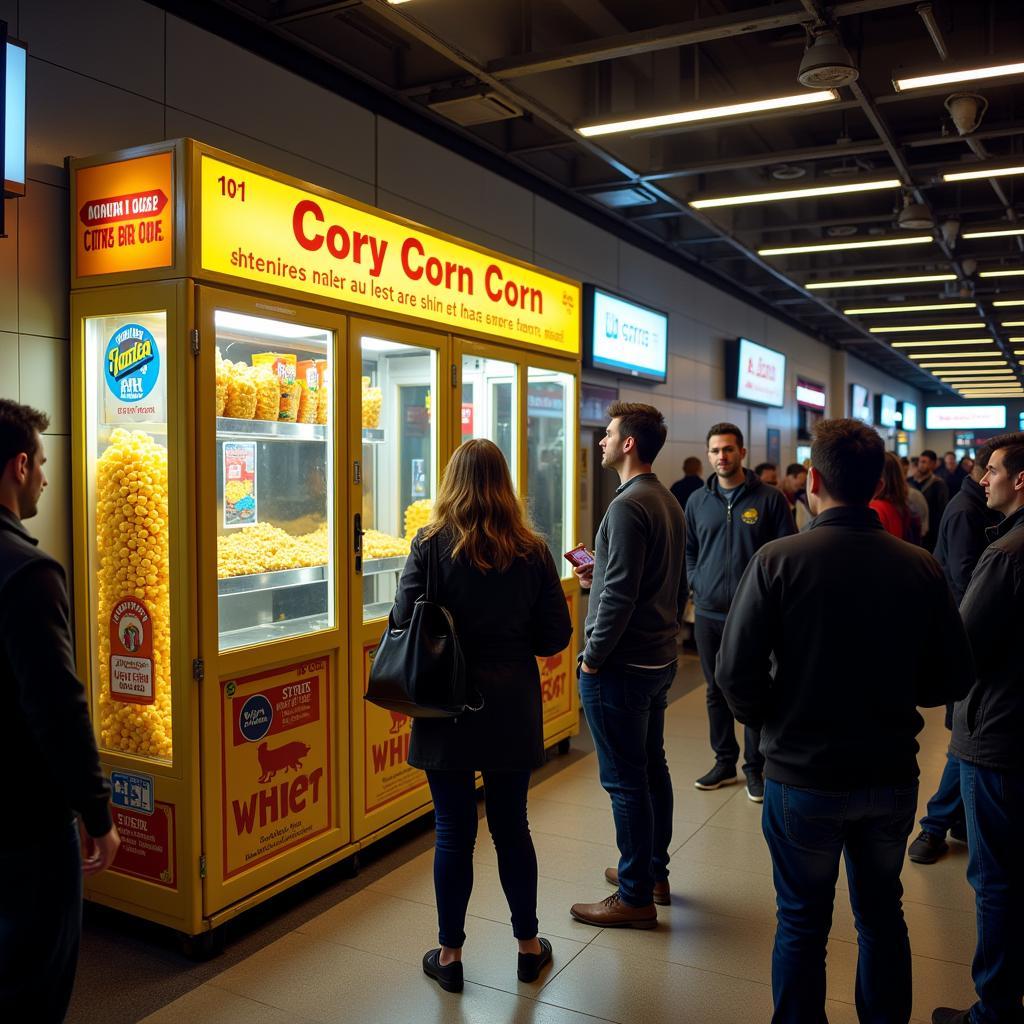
[910, 309]
[983, 172]
[1009, 302]
[636, 124]
[1002, 273]
[944, 341]
[907, 328]
[795, 193]
[867, 282]
[995, 233]
[951, 355]
[871, 243]
[953, 77]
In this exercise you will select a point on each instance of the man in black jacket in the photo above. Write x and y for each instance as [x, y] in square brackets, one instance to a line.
[690, 481]
[988, 739]
[49, 734]
[839, 714]
[727, 520]
[960, 544]
[637, 593]
[935, 493]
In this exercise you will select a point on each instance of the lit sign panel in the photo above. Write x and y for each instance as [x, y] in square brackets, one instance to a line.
[810, 395]
[13, 152]
[965, 417]
[860, 404]
[908, 416]
[756, 374]
[885, 409]
[626, 338]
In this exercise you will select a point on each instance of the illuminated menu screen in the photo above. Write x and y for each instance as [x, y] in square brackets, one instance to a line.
[756, 374]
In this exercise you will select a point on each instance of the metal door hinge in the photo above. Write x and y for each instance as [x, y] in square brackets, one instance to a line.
[455, 376]
[198, 670]
[202, 865]
[194, 338]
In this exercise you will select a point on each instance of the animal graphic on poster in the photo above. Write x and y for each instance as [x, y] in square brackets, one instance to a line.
[397, 721]
[280, 758]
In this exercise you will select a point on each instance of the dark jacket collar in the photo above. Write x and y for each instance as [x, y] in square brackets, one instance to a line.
[857, 516]
[973, 490]
[633, 480]
[9, 521]
[1011, 522]
[751, 481]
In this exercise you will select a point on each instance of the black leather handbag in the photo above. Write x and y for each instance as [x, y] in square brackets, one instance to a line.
[419, 670]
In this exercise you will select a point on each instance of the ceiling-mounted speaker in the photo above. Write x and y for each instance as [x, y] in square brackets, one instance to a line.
[915, 216]
[966, 109]
[826, 63]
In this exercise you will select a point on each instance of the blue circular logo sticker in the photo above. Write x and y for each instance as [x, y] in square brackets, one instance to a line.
[255, 718]
[131, 363]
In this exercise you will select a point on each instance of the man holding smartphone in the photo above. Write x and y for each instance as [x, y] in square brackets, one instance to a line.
[637, 586]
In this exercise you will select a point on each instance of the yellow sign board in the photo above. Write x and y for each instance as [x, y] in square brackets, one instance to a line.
[263, 230]
[125, 215]
[558, 677]
[276, 770]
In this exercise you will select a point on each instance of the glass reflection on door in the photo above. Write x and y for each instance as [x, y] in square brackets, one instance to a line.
[488, 405]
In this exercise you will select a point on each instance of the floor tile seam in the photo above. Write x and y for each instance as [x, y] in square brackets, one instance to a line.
[379, 892]
[915, 956]
[555, 974]
[300, 1018]
[575, 839]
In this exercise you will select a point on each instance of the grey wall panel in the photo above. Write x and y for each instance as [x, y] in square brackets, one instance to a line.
[9, 381]
[43, 272]
[414, 167]
[62, 115]
[9, 268]
[224, 84]
[45, 379]
[119, 42]
[564, 237]
[9, 13]
[52, 526]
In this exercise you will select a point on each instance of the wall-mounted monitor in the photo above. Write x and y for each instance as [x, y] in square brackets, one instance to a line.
[810, 395]
[965, 417]
[624, 337]
[12, 155]
[908, 416]
[754, 373]
[860, 404]
[885, 410]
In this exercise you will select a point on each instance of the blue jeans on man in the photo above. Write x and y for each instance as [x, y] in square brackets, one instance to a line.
[994, 802]
[807, 831]
[945, 812]
[625, 709]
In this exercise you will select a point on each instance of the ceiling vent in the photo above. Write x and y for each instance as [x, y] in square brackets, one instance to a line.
[787, 172]
[826, 63]
[841, 230]
[617, 198]
[473, 106]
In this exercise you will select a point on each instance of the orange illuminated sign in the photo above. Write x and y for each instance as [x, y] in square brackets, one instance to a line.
[125, 215]
[558, 677]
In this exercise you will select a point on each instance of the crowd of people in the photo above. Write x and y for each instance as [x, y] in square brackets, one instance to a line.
[795, 585]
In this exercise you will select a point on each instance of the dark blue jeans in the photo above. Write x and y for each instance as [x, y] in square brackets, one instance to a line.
[455, 818]
[994, 803]
[625, 709]
[807, 831]
[946, 808]
[40, 927]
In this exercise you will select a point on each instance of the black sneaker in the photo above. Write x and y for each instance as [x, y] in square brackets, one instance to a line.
[755, 788]
[927, 848]
[448, 976]
[716, 778]
[947, 1015]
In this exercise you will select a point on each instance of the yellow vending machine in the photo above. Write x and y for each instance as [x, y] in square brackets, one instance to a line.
[267, 382]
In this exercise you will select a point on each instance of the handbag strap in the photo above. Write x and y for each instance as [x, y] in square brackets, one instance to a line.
[432, 570]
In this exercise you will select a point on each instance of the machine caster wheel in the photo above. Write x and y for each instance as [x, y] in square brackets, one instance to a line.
[563, 746]
[203, 946]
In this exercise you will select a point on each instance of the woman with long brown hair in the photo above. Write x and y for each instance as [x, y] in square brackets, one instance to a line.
[891, 503]
[499, 582]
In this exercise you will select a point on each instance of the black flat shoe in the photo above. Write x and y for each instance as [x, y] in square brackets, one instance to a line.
[448, 976]
[531, 964]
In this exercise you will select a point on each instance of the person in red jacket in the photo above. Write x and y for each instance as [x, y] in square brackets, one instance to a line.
[891, 504]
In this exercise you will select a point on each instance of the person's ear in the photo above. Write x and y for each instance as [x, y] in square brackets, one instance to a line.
[22, 465]
[813, 481]
[1018, 484]
[629, 444]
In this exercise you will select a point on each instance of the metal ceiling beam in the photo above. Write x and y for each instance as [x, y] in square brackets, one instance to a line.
[666, 37]
[313, 11]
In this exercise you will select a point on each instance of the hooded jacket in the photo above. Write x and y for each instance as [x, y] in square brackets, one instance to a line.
[723, 535]
[989, 724]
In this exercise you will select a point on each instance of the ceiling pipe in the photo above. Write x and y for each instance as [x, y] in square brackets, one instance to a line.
[928, 17]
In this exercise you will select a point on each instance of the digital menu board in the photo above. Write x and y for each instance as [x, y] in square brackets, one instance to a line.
[624, 337]
[885, 410]
[754, 373]
[908, 416]
[965, 417]
[12, 153]
[860, 404]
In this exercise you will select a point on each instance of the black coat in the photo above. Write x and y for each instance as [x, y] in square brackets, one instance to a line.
[989, 724]
[962, 535]
[505, 621]
[839, 711]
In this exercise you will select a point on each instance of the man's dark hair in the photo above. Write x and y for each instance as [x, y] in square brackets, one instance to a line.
[944, 454]
[19, 425]
[929, 454]
[1012, 447]
[1013, 459]
[726, 428]
[762, 466]
[795, 469]
[692, 465]
[644, 424]
[849, 456]
[993, 444]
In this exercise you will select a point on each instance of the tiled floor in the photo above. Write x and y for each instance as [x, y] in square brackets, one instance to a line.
[708, 960]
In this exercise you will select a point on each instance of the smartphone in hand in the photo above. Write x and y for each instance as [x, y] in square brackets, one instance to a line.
[580, 557]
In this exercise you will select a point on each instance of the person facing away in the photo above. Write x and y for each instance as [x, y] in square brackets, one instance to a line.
[637, 594]
[934, 491]
[950, 472]
[690, 481]
[960, 544]
[890, 504]
[499, 583]
[726, 522]
[808, 656]
[767, 473]
[794, 487]
[987, 729]
[64, 831]
[915, 499]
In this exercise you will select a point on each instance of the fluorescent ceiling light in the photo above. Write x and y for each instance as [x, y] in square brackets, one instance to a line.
[948, 370]
[1002, 273]
[944, 341]
[795, 193]
[634, 124]
[871, 243]
[1012, 323]
[952, 355]
[989, 366]
[1009, 302]
[925, 327]
[953, 77]
[866, 282]
[912, 309]
[999, 233]
[982, 172]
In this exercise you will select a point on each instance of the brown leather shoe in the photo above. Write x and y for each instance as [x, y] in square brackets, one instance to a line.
[662, 896]
[613, 913]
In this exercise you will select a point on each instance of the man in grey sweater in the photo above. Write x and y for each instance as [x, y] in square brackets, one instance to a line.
[638, 590]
